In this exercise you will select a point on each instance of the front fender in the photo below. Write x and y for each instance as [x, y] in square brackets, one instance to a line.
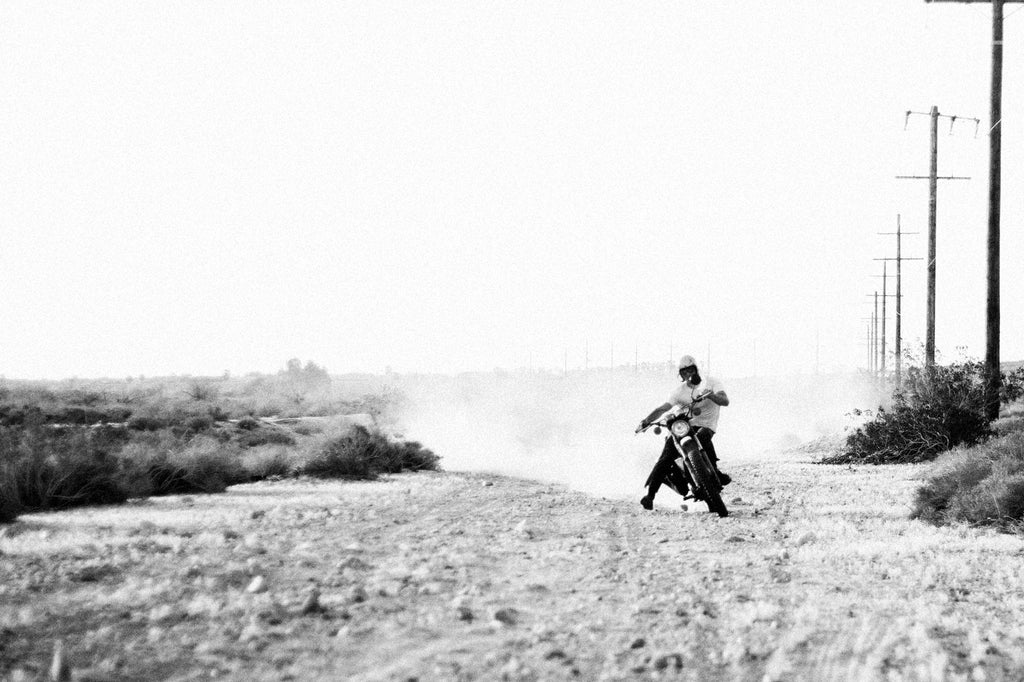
[684, 446]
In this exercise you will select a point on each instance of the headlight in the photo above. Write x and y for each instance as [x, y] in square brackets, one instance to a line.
[680, 428]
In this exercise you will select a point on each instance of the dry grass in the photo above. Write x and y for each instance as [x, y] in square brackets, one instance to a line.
[981, 485]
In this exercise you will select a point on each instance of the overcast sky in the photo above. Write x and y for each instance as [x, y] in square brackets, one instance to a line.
[193, 187]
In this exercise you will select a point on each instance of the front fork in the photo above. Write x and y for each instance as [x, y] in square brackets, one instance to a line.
[689, 450]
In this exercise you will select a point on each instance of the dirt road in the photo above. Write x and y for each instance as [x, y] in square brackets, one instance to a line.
[816, 575]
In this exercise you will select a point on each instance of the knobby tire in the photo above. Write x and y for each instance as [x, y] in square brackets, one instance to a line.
[707, 481]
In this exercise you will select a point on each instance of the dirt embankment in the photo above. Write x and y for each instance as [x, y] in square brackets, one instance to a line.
[816, 575]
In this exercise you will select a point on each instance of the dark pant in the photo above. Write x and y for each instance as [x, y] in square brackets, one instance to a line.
[669, 453]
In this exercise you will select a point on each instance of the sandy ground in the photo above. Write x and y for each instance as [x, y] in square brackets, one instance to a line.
[817, 575]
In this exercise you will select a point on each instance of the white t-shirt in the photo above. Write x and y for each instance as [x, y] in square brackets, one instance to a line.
[685, 393]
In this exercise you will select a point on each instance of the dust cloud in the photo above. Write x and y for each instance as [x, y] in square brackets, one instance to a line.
[577, 429]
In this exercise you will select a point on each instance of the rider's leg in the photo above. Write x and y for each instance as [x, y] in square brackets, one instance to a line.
[704, 436]
[657, 476]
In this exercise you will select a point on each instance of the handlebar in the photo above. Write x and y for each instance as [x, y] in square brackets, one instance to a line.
[687, 408]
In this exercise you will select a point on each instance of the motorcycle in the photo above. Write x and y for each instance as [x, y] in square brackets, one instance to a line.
[692, 468]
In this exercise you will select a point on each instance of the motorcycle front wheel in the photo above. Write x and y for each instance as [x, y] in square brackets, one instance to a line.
[707, 482]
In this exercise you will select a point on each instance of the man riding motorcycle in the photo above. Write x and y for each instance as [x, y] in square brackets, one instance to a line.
[712, 397]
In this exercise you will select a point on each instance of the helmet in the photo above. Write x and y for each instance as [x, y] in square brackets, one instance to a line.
[687, 361]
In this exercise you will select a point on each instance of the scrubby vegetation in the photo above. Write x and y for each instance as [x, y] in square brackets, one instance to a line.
[981, 485]
[931, 413]
[64, 444]
[364, 454]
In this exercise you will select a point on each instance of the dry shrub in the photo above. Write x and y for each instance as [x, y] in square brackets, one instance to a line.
[248, 423]
[308, 428]
[935, 411]
[55, 468]
[146, 423]
[269, 461]
[362, 454]
[166, 464]
[10, 502]
[207, 464]
[348, 456]
[265, 435]
[983, 485]
[9, 506]
[415, 457]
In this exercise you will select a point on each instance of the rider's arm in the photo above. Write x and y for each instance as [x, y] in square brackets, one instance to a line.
[719, 398]
[658, 411]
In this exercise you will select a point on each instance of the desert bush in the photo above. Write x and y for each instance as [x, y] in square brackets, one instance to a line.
[218, 413]
[207, 464]
[343, 457]
[9, 507]
[981, 485]
[88, 415]
[144, 423]
[265, 436]
[195, 424]
[109, 436]
[935, 411]
[18, 416]
[201, 391]
[415, 457]
[10, 503]
[362, 454]
[267, 461]
[248, 423]
[308, 428]
[169, 464]
[46, 468]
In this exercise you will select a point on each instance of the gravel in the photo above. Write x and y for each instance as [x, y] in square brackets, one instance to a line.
[441, 576]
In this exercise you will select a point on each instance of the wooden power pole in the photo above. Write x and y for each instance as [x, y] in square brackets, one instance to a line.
[933, 185]
[899, 297]
[880, 320]
[992, 370]
[875, 332]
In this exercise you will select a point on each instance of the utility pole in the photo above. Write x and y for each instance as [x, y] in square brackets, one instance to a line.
[933, 178]
[885, 282]
[899, 298]
[870, 352]
[879, 348]
[993, 376]
[869, 335]
[874, 350]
